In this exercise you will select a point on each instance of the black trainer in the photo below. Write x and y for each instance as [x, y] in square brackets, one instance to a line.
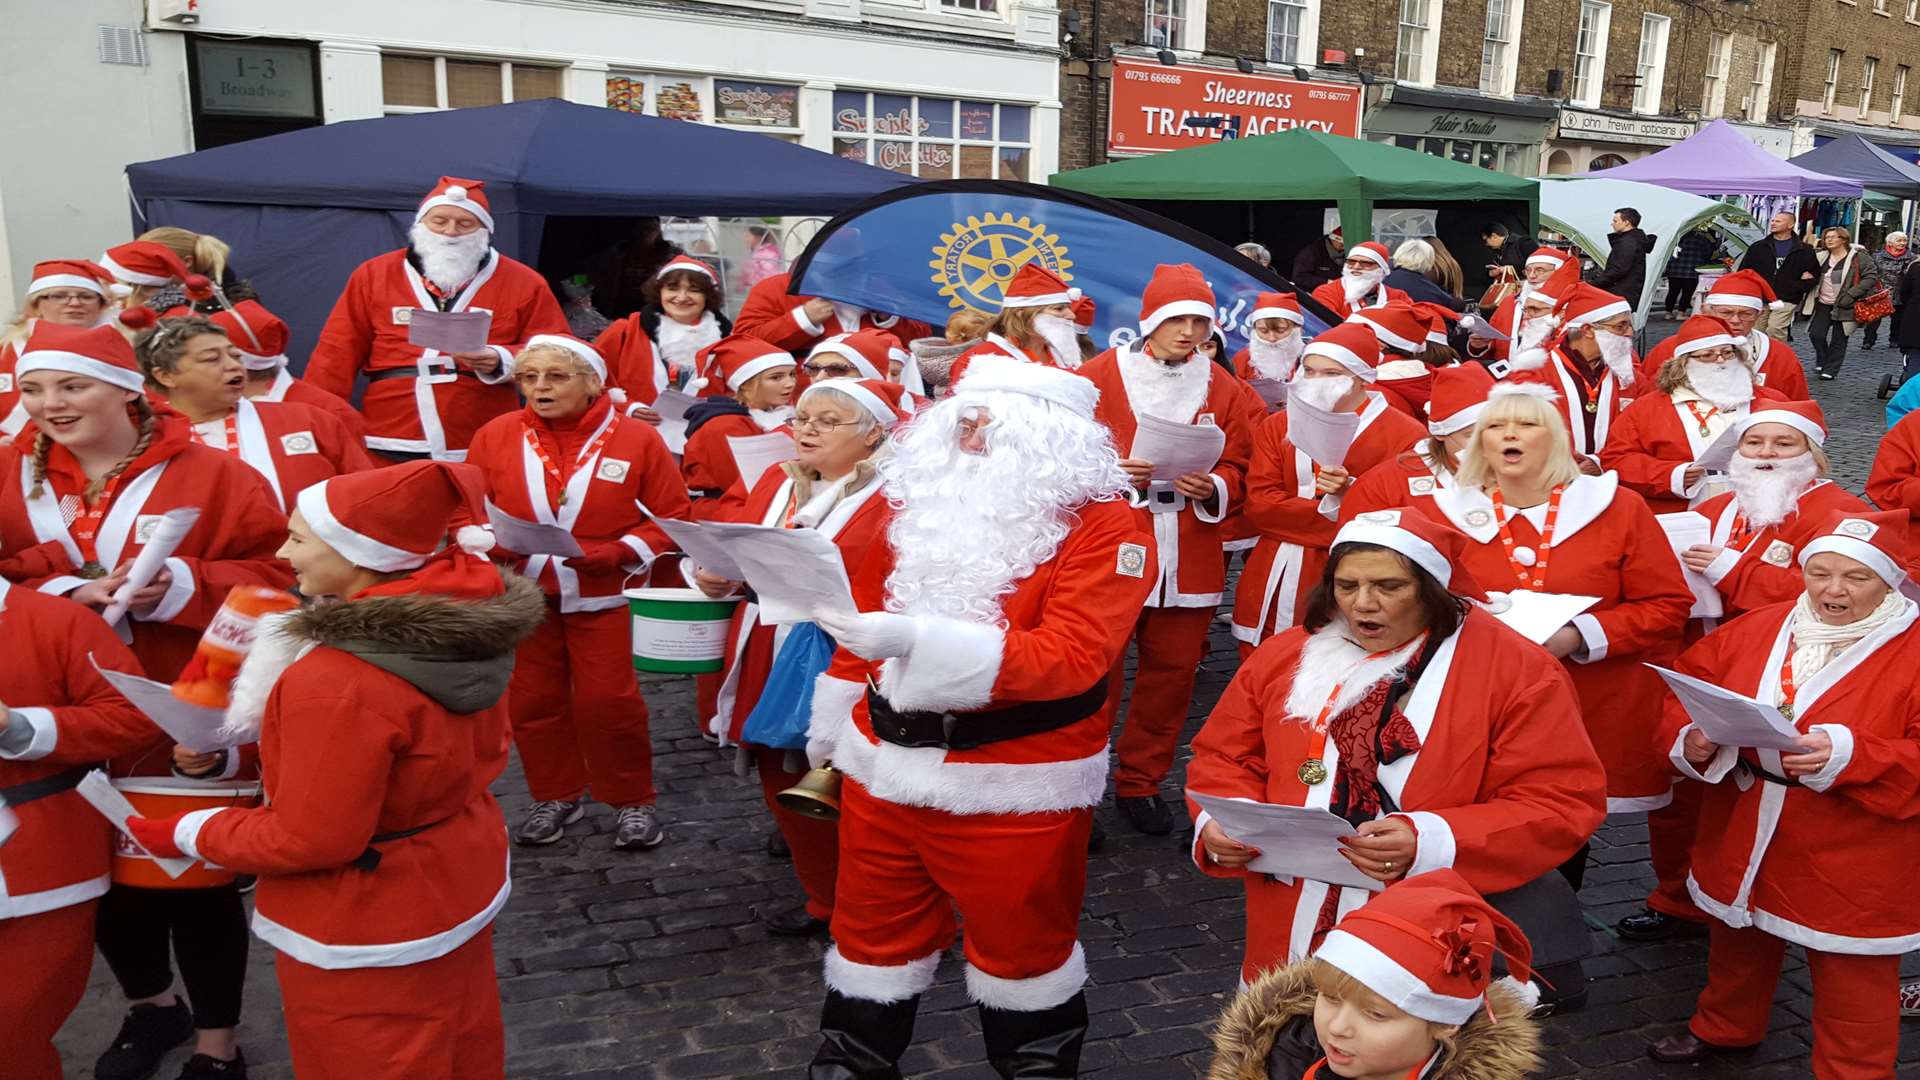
[208, 1067]
[1146, 813]
[148, 1032]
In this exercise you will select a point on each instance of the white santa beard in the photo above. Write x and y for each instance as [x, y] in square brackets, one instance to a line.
[1355, 286]
[449, 261]
[1724, 386]
[1768, 496]
[1061, 337]
[1170, 392]
[1329, 659]
[1616, 351]
[678, 342]
[1276, 359]
[1323, 392]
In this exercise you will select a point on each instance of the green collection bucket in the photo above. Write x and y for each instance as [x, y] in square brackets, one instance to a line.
[678, 631]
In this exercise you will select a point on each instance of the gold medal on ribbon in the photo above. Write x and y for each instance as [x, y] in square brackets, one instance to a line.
[1786, 710]
[92, 571]
[1312, 771]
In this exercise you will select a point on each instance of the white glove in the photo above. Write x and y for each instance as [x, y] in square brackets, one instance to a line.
[871, 635]
[819, 752]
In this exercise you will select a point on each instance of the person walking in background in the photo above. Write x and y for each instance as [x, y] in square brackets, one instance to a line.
[1626, 271]
[1789, 265]
[1892, 261]
[1698, 247]
[1504, 248]
[1419, 272]
[1319, 262]
[1846, 274]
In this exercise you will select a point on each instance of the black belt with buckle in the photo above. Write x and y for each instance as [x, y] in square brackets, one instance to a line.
[1783, 781]
[370, 858]
[967, 730]
[23, 793]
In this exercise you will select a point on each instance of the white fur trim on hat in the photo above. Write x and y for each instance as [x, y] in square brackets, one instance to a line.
[839, 347]
[1460, 421]
[1383, 975]
[587, 353]
[1682, 348]
[77, 364]
[71, 281]
[263, 363]
[875, 405]
[1859, 551]
[1600, 314]
[131, 277]
[757, 365]
[1546, 260]
[992, 372]
[1288, 314]
[357, 548]
[1343, 356]
[1384, 334]
[1522, 389]
[1168, 311]
[1359, 252]
[691, 265]
[1802, 424]
[456, 197]
[1390, 535]
[1733, 299]
[1066, 296]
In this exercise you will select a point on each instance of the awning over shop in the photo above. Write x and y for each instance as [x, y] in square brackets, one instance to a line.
[1718, 160]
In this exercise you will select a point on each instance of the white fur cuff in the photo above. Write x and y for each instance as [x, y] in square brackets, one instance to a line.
[1842, 737]
[1219, 500]
[884, 983]
[1435, 849]
[44, 731]
[1717, 767]
[1721, 566]
[952, 666]
[1032, 994]
[186, 832]
[1593, 635]
[179, 590]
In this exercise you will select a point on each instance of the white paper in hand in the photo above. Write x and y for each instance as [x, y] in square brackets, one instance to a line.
[796, 573]
[1537, 615]
[672, 405]
[524, 537]
[1685, 529]
[1718, 456]
[1293, 841]
[702, 543]
[1323, 436]
[1271, 391]
[753, 455]
[195, 727]
[100, 792]
[1176, 449]
[1731, 719]
[449, 331]
[159, 547]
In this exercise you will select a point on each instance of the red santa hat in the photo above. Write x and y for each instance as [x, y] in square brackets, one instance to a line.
[1176, 289]
[1558, 285]
[1276, 305]
[1034, 285]
[1440, 319]
[97, 352]
[1877, 540]
[1584, 305]
[1373, 251]
[1426, 945]
[1458, 398]
[1433, 546]
[997, 373]
[1084, 310]
[398, 517]
[739, 358]
[259, 334]
[869, 350]
[1744, 288]
[1397, 324]
[885, 401]
[461, 194]
[1804, 417]
[689, 264]
[1547, 256]
[1350, 345]
[1704, 332]
[143, 262]
[70, 274]
[586, 353]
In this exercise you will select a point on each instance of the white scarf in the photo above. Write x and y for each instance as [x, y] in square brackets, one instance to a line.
[849, 315]
[769, 419]
[678, 342]
[1171, 392]
[1815, 643]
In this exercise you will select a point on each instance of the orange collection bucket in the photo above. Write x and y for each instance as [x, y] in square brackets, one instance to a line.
[164, 797]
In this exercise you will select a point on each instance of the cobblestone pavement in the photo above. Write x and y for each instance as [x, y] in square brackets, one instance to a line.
[651, 965]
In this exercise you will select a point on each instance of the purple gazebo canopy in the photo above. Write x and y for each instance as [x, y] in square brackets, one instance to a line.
[1718, 160]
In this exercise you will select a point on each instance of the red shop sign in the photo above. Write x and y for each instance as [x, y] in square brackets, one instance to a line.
[1152, 102]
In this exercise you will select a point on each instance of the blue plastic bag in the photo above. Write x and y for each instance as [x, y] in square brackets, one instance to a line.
[779, 719]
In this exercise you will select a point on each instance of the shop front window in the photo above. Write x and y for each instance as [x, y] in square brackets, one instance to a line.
[745, 103]
[933, 137]
[411, 84]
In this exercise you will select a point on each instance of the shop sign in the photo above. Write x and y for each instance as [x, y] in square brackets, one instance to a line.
[754, 104]
[1455, 124]
[1151, 104]
[1602, 127]
[256, 80]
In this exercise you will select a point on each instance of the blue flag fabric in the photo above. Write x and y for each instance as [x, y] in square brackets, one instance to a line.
[929, 250]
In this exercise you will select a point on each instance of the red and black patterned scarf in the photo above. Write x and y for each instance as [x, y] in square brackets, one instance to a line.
[1356, 788]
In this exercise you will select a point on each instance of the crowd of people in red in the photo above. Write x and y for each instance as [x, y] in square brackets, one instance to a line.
[1465, 544]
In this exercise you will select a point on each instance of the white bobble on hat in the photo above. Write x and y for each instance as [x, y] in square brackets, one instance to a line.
[456, 192]
[474, 539]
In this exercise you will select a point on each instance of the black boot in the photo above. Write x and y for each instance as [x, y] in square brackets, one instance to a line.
[863, 1040]
[1044, 1044]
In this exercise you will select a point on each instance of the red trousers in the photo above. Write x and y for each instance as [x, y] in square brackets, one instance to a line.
[437, 1020]
[576, 710]
[48, 958]
[1856, 1003]
[1169, 643]
[706, 699]
[1670, 832]
[1016, 879]
[815, 843]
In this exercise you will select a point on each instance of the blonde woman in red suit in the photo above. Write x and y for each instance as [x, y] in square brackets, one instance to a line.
[570, 459]
[759, 382]
[71, 292]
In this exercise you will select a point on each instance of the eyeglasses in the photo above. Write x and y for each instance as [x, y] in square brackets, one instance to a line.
[830, 371]
[824, 427]
[76, 297]
[1722, 352]
[536, 378]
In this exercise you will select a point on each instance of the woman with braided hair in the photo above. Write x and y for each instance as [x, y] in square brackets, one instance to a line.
[89, 482]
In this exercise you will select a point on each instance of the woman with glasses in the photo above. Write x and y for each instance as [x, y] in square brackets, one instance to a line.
[570, 459]
[1704, 389]
[832, 486]
[68, 292]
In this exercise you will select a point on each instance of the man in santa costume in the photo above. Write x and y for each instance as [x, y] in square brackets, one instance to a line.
[1589, 365]
[964, 708]
[421, 402]
[59, 718]
[1506, 318]
[1738, 300]
[381, 720]
[1164, 376]
[261, 336]
[1293, 500]
[798, 323]
[1275, 339]
[1362, 281]
[1812, 846]
[1706, 387]
[1412, 477]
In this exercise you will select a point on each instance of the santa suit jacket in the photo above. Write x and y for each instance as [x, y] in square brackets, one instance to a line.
[1335, 297]
[437, 411]
[1765, 568]
[59, 855]
[1658, 438]
[708, 466]
[1503, 788]
[233, 543]
[1895, 479]
[1066, 625]
[634, 365]
[13, 416]
[1606, 543]
[1609, 399]
[291, 446]
[995, 345]
[379, 715]
[1404, 480]
[1779, 368]
[602, 501]
[1826, 863]
[779, 318]
[1296, 525]
[855, 524]
[301, 392]
[1191, 571]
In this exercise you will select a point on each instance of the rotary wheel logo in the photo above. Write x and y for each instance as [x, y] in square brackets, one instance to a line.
[973, 263]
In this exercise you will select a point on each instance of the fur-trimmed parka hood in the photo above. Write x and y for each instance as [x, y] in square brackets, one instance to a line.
[935, 356]
[1266, 1033]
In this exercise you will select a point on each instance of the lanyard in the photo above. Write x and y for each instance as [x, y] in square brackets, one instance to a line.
[1701, 418]
[1538, 579]
[86, 526]
[553, 471]
[1314, 769]
[233, 434]
[1787, 690]
[1742, 533]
